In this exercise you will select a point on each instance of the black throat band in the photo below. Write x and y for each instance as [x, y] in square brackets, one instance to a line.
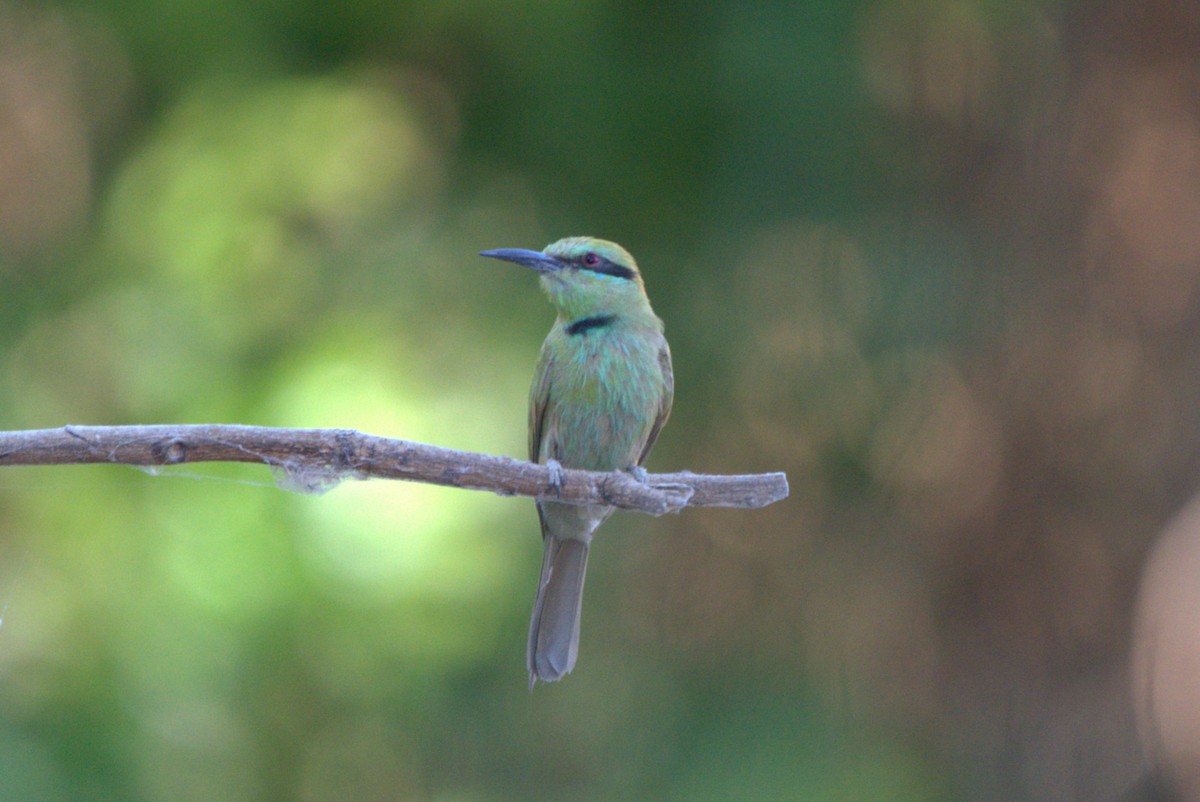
[586, 324]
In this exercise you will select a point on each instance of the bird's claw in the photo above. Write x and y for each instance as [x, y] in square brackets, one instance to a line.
[639, 474]
[556, 477]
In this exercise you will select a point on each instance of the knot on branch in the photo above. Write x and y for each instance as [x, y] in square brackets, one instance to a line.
[623, 490]
[345, 452]
[675, 496]
[171, 452]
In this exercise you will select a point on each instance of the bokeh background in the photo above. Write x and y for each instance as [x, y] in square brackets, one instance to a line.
[939, 261]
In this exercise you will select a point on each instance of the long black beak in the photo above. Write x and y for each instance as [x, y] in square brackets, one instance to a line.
[535, 260]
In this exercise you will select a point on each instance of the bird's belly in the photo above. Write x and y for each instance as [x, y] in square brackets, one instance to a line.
[603, 414]
[597, 441]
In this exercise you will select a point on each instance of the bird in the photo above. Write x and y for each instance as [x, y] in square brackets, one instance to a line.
[602, 391]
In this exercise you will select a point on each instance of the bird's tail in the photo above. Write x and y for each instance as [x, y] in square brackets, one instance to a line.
[554, 629]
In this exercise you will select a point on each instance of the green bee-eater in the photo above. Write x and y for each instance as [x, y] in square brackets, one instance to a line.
[601, 393]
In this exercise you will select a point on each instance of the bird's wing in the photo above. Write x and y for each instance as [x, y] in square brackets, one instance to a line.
[539, 400]
[664, 406]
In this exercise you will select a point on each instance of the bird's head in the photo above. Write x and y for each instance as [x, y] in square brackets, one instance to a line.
[583, 275]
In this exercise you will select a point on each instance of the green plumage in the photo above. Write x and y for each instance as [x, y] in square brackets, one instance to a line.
[601, 393]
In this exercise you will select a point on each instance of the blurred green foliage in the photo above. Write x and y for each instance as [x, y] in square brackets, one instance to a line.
[905, 252]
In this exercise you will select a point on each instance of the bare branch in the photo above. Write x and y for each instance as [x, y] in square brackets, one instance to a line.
[314, 459]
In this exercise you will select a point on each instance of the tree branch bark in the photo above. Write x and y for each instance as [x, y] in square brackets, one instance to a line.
[314, 460]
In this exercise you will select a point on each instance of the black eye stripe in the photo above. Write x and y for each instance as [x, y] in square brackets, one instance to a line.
[608, 268]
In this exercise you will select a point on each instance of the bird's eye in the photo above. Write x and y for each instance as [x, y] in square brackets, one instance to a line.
[590, 259]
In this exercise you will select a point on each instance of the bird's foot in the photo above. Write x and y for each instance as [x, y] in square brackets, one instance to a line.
[639, 473]
[556, 477]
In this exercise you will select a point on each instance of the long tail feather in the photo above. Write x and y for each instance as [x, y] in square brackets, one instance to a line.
[554, 628]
